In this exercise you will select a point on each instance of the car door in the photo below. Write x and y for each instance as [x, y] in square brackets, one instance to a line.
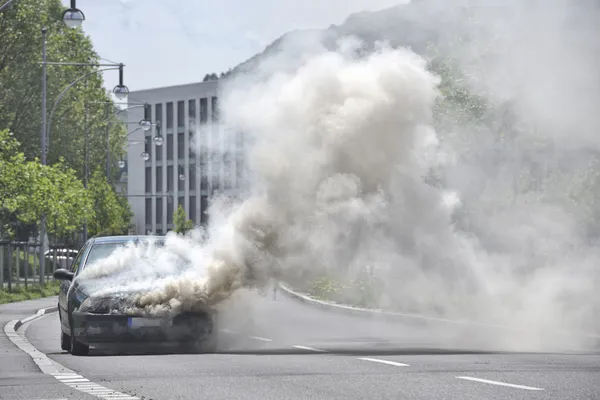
[65, 285]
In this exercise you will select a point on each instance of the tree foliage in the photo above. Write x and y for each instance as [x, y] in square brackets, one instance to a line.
[29, 190]
[112, 214]
[180, 221]
[20, 79]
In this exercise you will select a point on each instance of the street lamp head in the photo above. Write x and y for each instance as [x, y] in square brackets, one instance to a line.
[73, 17]
[121, 164]
[181, 177]
[145, 125]
[121, 91]
[158, 140]
[145, 156]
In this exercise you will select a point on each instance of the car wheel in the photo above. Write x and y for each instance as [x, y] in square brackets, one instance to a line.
[65, 341]
[77, 348]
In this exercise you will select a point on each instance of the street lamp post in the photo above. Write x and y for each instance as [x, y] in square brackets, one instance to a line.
[73, 17]
[121, 91]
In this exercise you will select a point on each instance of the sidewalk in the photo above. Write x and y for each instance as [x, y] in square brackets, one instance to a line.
[20, 378]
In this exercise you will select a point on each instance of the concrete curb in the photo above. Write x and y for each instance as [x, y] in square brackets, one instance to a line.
[38, 314]
[357, 311]
[421, 319]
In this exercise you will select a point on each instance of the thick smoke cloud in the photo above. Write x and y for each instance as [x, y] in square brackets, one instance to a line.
[341, 141]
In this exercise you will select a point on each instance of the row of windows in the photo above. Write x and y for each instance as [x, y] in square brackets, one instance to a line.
[158, 109]
[180, 146]
[192, 177]
[190, 211]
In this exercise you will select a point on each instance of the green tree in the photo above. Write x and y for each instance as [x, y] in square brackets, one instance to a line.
[28, 190]
[112, 213]
[20, 78]
[182, 224]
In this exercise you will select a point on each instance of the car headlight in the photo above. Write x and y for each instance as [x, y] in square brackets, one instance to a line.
[86, 304]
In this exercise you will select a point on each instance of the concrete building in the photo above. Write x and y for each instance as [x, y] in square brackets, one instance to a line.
[178, 172]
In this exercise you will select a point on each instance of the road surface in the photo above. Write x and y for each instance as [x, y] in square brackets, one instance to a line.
[282, 349]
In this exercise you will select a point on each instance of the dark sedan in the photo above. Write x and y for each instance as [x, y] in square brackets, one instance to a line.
[87, 320]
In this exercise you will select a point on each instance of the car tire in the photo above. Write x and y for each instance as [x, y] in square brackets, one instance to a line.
[77, 348]
[65, 341]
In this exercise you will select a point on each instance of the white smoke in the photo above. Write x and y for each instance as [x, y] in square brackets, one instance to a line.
[341, 145]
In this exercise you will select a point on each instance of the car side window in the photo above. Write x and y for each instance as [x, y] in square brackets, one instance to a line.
[75, 264]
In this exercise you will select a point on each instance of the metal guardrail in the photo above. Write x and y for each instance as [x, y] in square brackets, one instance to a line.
[20, 263]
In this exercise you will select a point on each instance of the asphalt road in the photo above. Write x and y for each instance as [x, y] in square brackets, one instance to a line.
[282, 349]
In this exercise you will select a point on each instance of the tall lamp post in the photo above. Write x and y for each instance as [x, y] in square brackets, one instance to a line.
[121, 91]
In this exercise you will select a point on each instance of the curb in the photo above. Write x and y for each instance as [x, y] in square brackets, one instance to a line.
[395, 316]
[357, 311]
[38, 314]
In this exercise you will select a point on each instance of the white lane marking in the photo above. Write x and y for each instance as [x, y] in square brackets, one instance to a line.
[310, 349]
[377, 360]
[50, 367]
[470, 378]
[263, 339]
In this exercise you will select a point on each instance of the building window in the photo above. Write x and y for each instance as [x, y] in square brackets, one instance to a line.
[170, 117]
[216, 158]
[203, 210]
[216, 180]
[180, 114]
[192, 207]
[159, 186]
[180, 146]
[192, 148]
[148, 180]
[181, 201]
[148, 145]
[192, 179]
[203, 110]
[159, 211]
[149, 211]
[169, 147]
[169, 178]
[158, 111]
[158, 116]
[215, 108]
[148, 112]
[192, 115]
[170, 212]
[204, 169]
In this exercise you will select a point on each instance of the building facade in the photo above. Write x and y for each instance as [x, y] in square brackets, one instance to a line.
[198, 156]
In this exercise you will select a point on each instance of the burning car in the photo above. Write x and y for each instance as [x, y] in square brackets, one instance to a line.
[88, 319]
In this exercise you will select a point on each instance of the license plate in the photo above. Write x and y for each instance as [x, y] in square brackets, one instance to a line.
[134, 322]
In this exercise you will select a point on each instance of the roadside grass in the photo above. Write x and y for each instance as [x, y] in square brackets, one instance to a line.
[20, 293]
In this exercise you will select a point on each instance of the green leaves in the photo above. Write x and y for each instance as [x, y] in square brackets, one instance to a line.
[29, 190]
[112, 214]
[180, 221]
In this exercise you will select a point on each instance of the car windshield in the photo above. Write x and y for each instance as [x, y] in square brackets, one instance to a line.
[100, 251]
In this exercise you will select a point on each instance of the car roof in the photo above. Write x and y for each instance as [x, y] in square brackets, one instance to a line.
[124, 238]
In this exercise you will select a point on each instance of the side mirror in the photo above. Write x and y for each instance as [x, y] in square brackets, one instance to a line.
[63, 275]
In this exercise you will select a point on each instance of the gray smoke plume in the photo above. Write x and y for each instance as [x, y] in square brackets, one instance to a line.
[453, 176]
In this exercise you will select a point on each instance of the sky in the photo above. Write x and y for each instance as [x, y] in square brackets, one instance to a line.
[173, 42]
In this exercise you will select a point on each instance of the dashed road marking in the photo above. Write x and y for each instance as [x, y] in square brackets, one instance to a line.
[377, 360]
[309, 349]
[49, 367]
[470, 378]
